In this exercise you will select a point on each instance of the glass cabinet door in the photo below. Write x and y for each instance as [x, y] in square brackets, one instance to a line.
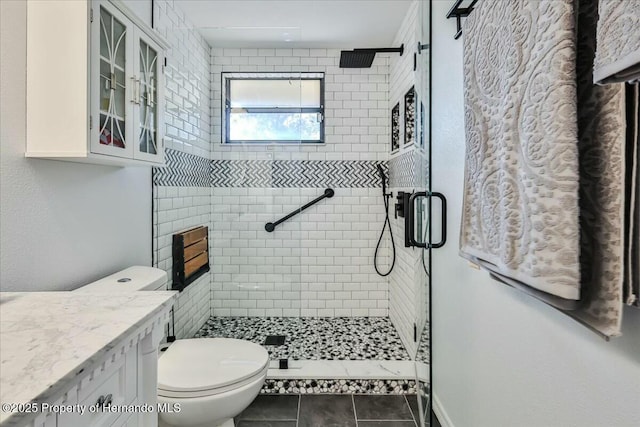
[148, 85]
[111, 56]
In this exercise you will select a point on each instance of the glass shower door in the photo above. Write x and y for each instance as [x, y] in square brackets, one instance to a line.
[424, 210]
[261, 182]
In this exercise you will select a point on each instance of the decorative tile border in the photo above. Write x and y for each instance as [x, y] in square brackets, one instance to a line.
[188, 170]
[402, 170]
[183, 170]
[295, 173]
[355, 386]
[315, 338]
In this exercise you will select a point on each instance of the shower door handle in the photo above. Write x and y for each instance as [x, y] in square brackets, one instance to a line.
[411, 220]
[443, 235]
[410, 224]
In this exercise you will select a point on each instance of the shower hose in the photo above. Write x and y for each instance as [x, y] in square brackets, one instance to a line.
[386, 224]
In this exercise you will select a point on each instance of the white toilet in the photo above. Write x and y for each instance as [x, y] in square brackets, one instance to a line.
[212, 379]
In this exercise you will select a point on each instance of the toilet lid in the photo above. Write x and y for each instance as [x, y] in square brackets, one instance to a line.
[200, 364]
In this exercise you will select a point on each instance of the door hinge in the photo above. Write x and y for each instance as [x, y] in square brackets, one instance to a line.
[91, 15]
[90, 122]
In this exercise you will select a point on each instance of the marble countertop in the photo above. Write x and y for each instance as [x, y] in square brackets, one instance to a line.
[48, 338]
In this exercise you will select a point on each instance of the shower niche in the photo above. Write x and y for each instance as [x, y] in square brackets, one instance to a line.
[410, 116]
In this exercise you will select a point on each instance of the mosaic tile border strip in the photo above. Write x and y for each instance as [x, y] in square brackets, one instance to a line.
[405, 170]
[296, 173]
[188, 170]
[315, 338]
[328, 386]
[183, 170]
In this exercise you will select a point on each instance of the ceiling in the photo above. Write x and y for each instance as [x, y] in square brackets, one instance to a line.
[297, 23]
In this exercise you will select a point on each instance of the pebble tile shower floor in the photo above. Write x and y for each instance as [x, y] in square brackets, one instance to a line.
[313, 338]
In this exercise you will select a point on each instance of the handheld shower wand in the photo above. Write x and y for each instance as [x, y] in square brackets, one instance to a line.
[383, 178]
[387, 222]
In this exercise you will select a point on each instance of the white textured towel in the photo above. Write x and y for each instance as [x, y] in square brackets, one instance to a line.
[544, 190]
[632, 247]
[601, 141]
[520, 214]
[618, 42]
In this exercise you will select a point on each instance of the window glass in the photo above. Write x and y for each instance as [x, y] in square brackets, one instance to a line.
[273, 107]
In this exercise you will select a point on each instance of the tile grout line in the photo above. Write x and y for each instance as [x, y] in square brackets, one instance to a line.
[411, 410]
[355, 414]
[298, 412]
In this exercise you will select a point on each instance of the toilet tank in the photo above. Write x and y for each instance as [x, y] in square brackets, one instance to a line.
[137, 278]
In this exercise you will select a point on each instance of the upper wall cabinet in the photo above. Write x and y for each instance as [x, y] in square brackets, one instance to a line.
[94, 84]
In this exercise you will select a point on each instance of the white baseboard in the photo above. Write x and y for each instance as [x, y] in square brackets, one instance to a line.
[441, 413]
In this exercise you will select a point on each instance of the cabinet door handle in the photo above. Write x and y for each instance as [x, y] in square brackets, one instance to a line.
[135, 90]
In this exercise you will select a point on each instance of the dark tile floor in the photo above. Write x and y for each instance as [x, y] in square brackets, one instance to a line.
[330, 410]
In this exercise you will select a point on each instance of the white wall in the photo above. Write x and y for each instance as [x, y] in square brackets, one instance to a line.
[142, 9]
[501, 358]
[62, 224]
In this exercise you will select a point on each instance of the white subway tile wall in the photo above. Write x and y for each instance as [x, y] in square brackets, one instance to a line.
[356, 104]
[408, 291]
[187, 118]
[320, 263]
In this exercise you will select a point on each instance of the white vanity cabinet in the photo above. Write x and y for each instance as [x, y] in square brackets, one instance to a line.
[94, 84]
[124, 381]
[78, 351]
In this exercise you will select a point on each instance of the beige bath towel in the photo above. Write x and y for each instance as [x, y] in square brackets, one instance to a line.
[618, 42]
[601, 141]
[543, 200]
[520, 215]
[632, 246]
